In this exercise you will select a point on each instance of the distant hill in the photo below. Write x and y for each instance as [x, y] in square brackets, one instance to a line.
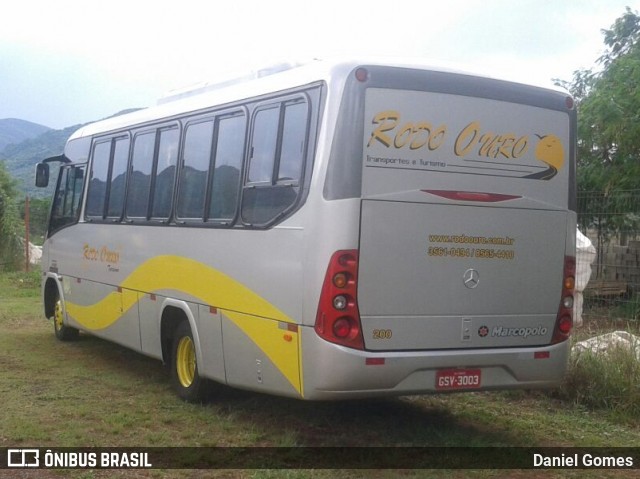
[21, 157]
[13, 130]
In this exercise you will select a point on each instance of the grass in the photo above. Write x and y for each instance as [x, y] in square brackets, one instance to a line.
[608, 380]
[94, 393]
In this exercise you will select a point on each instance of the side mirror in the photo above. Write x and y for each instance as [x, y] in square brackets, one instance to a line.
[42, 175]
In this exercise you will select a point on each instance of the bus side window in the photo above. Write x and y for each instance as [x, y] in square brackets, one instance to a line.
[118, 178]
[96, 196]
[225, 178]
[293, 142]
[165, 173]
[108, 176]
[141, 169]
[263, 145]
[194, 170]
[278, 146]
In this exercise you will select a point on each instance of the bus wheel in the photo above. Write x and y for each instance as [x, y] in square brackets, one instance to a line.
[63, 333]
[184, 367]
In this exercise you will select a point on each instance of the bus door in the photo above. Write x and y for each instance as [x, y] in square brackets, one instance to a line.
[66, 202]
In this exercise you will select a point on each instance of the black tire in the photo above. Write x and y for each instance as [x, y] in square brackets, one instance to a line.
[185, 378]
[62, 332]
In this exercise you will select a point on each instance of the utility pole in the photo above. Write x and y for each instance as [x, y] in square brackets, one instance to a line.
[26, 233]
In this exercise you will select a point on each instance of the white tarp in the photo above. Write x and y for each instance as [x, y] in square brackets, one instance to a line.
[585, 256]
[35, 253]
[604, 343]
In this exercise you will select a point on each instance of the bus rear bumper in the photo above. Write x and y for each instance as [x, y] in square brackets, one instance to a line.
[334, 372]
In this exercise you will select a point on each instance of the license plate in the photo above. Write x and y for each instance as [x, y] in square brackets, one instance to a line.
[453, 379]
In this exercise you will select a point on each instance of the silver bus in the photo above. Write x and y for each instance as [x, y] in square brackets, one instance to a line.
[330, 231]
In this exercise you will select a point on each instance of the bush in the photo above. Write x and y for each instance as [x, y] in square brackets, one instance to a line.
[628, 308]
[604, 380]
[10, 250]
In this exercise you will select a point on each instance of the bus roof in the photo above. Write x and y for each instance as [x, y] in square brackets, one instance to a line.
[256, 83]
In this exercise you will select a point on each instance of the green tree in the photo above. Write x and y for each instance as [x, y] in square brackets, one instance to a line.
[608, 103]
[10, 231]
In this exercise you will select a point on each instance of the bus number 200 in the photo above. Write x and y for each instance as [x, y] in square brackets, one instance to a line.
[382, 334]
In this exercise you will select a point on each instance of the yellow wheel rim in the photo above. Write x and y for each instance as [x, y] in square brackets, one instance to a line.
[57, 315]
[186, 361]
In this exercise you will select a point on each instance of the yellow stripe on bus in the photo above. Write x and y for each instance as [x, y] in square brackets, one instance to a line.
[269, 338]
[210, 286]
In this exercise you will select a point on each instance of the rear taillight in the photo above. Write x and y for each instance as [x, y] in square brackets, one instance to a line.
[338, 319]
[564, 320]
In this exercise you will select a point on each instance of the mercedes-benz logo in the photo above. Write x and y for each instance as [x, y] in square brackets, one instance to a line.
[471, 278]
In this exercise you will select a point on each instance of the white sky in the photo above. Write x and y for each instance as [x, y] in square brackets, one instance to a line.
[65, 62]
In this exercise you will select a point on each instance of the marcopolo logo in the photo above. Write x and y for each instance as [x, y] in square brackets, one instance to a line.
[502, 332]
